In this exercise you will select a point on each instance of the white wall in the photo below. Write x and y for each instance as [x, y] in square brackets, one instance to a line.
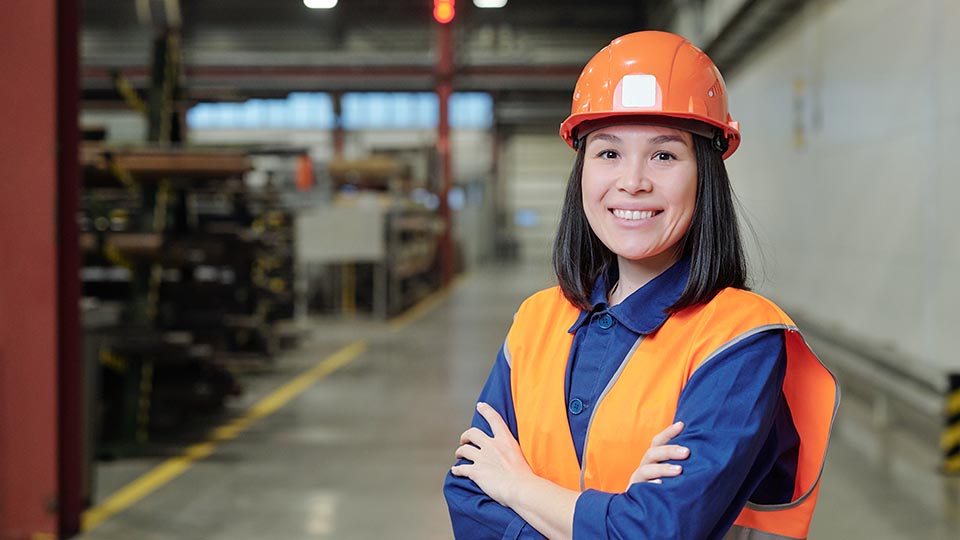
[851, 123]
[535, 169]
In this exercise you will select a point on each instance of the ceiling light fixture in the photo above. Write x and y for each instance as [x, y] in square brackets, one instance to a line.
[489, 3]
[320, 4]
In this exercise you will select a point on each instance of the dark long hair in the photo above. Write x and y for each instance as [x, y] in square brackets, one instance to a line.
[712, 241]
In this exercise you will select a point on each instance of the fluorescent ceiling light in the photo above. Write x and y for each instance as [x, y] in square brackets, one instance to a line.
[320, 4]
[489, 3]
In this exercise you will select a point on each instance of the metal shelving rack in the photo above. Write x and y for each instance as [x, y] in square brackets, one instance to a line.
[201, 269]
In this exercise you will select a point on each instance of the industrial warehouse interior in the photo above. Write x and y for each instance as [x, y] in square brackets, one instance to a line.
[260, 257]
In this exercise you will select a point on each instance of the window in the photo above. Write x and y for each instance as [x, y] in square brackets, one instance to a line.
[361, 110]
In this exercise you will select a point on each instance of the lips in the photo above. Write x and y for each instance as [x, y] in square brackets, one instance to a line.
[634, 215]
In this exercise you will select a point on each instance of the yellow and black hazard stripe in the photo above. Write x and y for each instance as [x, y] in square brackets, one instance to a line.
[128, 92]
[950, 442]
[120, 173]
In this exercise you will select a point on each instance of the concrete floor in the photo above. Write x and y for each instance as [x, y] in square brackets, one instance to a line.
[362, 453]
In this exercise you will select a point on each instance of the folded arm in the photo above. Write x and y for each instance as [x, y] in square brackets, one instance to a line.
[728, 406]
[473, 513]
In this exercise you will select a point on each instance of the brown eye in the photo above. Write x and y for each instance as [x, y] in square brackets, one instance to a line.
[664, 156]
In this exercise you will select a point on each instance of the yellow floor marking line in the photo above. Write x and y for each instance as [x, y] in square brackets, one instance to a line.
[174, 467]
[423, 307]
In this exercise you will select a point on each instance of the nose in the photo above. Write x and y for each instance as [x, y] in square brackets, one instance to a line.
[635, 179]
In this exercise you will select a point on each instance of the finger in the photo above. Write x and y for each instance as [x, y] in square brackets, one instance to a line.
[497, 426]
[664, 436]
[650, 473]
[666, 453]
[661, 470]
[461, 470]
[467, 452]
[474, 436]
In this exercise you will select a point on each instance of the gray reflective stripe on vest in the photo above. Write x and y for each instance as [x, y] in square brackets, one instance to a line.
[745, 533]
[596, 406]
[507, 355]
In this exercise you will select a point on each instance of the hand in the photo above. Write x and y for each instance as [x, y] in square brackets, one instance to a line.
[652, 468]
[498, 463]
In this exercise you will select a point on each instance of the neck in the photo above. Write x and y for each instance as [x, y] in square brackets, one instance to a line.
[636, 274]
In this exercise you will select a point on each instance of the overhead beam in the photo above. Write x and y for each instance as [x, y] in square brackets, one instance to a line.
[204, 82]
[748, 29]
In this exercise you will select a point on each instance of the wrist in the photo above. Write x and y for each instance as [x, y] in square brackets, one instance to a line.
[522, 484]
[545, 506]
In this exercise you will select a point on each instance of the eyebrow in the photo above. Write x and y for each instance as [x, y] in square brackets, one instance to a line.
[661, 139]
[607, 137]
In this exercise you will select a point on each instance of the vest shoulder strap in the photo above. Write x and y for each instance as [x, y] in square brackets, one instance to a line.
[545, 313]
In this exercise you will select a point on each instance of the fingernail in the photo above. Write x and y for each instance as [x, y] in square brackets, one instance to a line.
[684, 451]
[676, 468]
[481, 405]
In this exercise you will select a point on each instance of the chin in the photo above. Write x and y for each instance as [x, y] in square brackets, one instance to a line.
[638, 254]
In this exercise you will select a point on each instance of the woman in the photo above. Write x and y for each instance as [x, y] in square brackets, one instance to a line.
[651, 326]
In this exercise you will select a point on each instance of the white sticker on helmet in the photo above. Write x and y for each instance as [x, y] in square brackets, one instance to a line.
[638, 90]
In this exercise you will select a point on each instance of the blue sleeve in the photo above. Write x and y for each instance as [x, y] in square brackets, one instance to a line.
[728, 408]
[474, 515]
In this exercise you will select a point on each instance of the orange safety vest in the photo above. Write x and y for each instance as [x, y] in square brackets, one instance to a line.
[642, 399]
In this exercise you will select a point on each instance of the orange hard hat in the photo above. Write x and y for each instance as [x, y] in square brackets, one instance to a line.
[653, 77]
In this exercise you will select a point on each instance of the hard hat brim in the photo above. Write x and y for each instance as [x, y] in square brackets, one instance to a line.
[578, 126]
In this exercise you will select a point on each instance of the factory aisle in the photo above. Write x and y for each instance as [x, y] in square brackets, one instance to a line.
[362, 453]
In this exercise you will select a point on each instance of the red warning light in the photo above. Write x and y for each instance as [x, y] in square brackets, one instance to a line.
[443, 11]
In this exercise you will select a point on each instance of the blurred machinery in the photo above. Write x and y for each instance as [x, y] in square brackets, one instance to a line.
[374, 247]
[190, 258]
[184, 266]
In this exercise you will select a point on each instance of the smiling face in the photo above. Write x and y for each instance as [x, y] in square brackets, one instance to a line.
[639, 192]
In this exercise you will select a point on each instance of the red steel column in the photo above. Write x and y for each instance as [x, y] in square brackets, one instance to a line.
[339, 134]
[444, 90]
[28, 271]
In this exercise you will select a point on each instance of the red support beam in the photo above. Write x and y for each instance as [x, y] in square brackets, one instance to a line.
[40, 367]
[444, 74]
[339, 134]
[29, 271]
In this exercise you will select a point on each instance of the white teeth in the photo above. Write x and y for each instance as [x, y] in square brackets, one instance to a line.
[634, 214]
